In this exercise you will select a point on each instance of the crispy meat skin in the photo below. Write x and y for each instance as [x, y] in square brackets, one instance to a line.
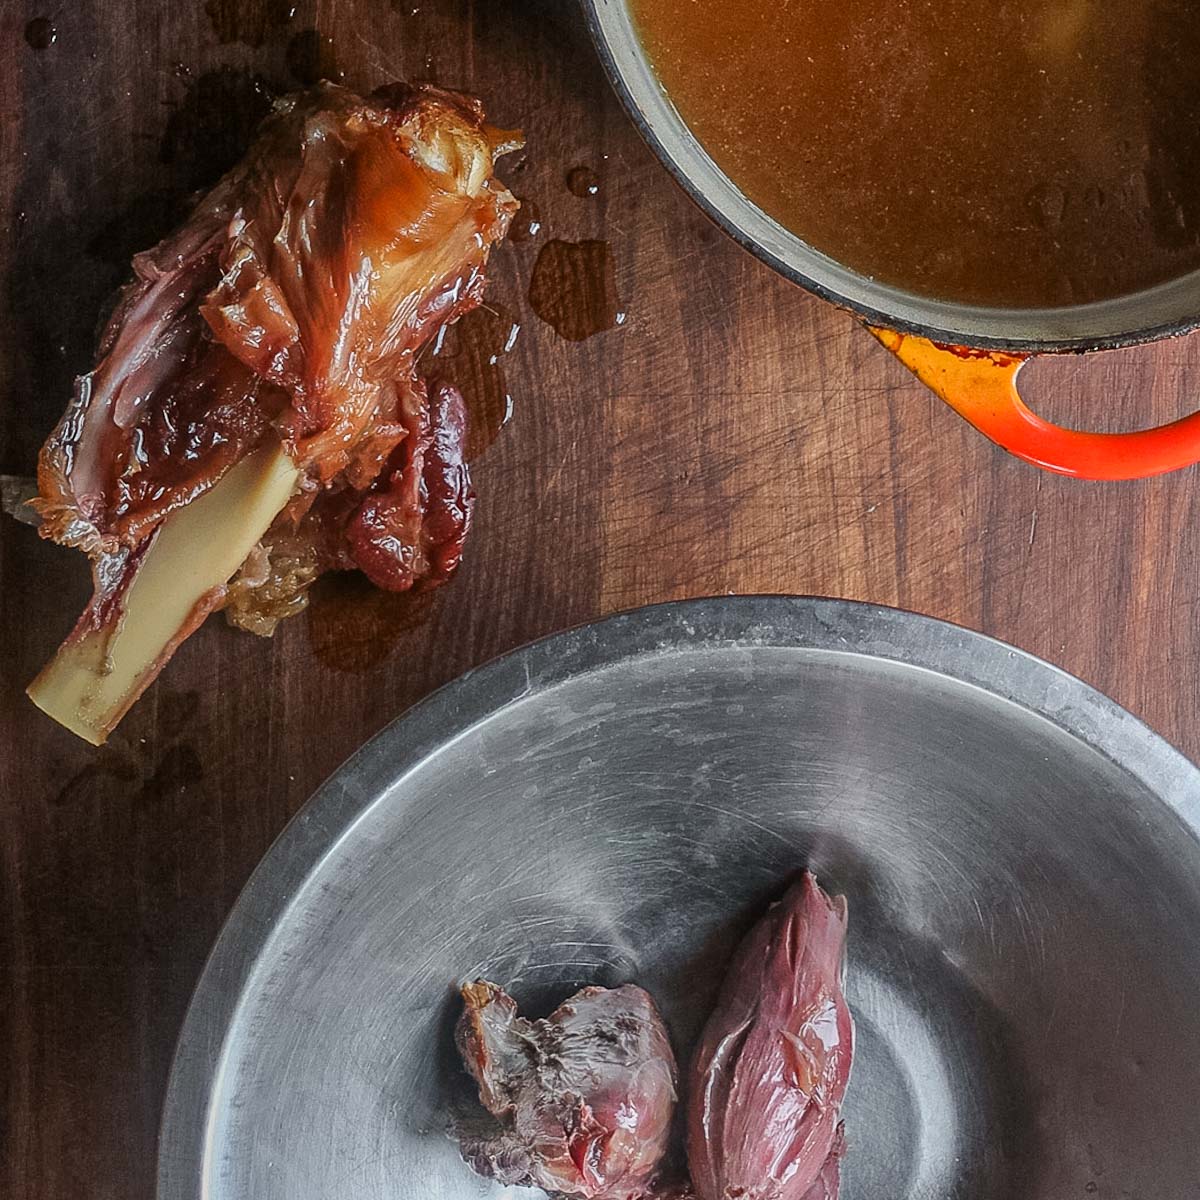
[770, 1071]
[583, 1100]
[292, 304]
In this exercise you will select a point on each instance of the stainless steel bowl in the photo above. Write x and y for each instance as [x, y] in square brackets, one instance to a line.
[619, 802]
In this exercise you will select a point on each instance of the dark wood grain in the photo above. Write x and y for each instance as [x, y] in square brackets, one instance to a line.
[734, 435]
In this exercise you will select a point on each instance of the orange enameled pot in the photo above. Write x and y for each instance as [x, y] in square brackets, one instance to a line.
[969, 355]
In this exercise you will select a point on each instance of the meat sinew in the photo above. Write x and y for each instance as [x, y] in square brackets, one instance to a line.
[284, 319]
[582, 1101]
[771, 1068]
[829, 1177]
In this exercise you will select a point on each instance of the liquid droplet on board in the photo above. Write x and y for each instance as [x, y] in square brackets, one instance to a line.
[583, 182]
[574, 288]
[311, 57]
[527, 223]
[40, 33]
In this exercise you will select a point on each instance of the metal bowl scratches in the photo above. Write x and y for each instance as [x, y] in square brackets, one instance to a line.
[1021, 857]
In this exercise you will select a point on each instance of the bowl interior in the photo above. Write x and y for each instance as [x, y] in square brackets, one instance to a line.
[1171, 307]
[1023, 958]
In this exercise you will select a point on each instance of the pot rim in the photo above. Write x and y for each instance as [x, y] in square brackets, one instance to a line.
[1171, 309]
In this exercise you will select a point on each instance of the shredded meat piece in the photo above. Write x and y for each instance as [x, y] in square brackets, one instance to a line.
[292, 305]
[583, 1100]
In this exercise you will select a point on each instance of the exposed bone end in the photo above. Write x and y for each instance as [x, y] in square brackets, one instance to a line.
[134, 623]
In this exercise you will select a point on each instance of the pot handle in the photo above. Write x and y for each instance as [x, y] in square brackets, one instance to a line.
[981, 386]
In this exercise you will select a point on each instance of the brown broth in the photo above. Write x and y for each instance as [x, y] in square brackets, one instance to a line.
[1014, 153]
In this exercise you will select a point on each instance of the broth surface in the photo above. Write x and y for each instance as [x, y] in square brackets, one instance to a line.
[1016, 153]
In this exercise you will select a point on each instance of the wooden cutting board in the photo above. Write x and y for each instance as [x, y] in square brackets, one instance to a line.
[730, 434]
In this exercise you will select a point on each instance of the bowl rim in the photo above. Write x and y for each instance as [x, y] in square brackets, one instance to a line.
[817, 624]
[1170, 309]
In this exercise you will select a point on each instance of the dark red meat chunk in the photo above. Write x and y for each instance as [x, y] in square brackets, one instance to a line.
[582, 1101]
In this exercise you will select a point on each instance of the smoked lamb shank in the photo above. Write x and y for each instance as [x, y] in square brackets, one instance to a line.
[255, 416]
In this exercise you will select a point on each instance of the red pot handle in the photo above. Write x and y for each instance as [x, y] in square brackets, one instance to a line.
[981, 386]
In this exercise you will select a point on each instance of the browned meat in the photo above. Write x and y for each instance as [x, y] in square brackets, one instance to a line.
[295, 298]
[583, 1101]
[405, 530]
[412, 527]
[770, 1071]
[288, 311]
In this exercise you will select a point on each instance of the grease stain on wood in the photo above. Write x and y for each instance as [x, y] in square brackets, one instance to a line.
[574, 290]
[312, 57]
[210, 129]
[353, 625]
[250, 22]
